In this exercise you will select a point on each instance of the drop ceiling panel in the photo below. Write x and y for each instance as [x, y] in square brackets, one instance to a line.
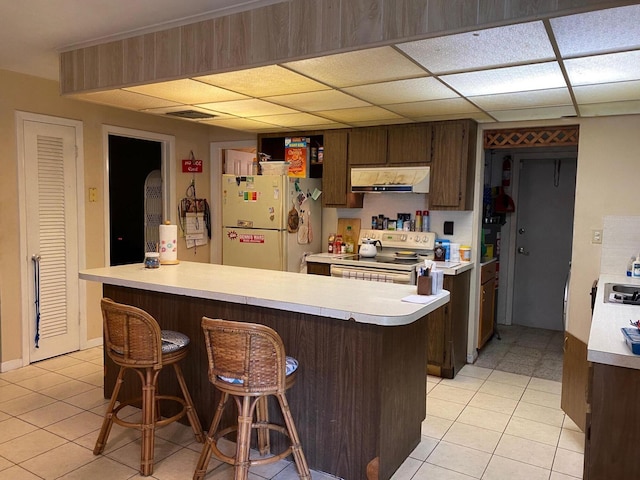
[600, 31]
[533, 113]
[165, 110]
[186, 91]
[613, 67]
[315, 101]
[607, 92]
[264, 81]
[124, 99]
[247, 108]
[293, 120]
[358, 68]
[479, 117]
[492, 47]
[518, 100]
[351, 115]
[540, 76]
[401, 91]
[243, 124]
[433, 107]
[612, 108]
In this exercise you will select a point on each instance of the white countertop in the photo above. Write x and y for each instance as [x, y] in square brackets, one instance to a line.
[606, 343]
[449, 268]
[340, 298]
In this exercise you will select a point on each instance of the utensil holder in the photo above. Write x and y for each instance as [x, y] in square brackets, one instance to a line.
[424, 285]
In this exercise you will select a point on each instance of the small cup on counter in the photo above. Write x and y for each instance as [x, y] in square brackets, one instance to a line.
[152, 260]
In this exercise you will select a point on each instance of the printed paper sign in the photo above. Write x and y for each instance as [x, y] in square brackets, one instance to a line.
[250, 238]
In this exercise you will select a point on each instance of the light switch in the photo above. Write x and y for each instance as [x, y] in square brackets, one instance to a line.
[93, 194]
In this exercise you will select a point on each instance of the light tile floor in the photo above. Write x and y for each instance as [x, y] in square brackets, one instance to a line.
[484, 424]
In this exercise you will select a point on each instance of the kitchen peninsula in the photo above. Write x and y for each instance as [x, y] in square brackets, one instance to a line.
[360, 396]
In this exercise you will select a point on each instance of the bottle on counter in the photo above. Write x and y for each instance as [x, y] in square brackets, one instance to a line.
[332, 238]
[418, 221]
[635, 272]
[425, 221]
[337, 244]
[348, 241]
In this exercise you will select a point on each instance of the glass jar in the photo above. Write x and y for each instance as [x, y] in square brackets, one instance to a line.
[151, 260]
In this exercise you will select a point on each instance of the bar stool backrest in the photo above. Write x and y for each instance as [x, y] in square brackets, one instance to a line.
[252, 354]
[132, 336]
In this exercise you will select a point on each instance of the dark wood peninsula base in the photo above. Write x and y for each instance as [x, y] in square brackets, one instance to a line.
[360, 394]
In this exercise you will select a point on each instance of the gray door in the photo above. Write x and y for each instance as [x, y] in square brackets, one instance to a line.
[544, 232]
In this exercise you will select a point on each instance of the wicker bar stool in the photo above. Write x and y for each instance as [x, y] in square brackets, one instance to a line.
[134, 341]
[247, 362]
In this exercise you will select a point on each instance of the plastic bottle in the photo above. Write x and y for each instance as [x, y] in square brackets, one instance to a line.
[332, 239]
[418, 220]
[636, 267]
[630, 266]
[337, 244]
[348, 240]
[425, 221]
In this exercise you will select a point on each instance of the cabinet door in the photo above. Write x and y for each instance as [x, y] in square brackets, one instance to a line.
[336, 184]
[314, 268]
[436, 332]
[452, 165]
[486, 311]
[575, 380]
[409, 144]
[368, 146]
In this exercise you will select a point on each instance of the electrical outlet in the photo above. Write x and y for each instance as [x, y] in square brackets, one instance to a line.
[596, 236]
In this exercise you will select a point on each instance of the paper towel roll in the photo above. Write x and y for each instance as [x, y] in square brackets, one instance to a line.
[168, 244]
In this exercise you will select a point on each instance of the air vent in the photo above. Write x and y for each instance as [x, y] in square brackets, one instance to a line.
[192, 114]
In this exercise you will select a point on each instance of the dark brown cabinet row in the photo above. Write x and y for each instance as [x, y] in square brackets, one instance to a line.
[446, 326]
[487, 303]
[448, 147]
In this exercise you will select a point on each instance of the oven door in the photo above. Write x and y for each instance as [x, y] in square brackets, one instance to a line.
[373, 274]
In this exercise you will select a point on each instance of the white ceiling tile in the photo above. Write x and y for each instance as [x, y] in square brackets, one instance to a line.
[350, 115]
[540, 76]
[535, 98]
[264, 81]
[247, 108]
[600, 31]
[186, 91]
[479, 117]
[401, 91]
[124, 99]
[611, 108]
[607, 92]
[373, 123]
[358, 68]
[508, 45]
[433, 107]
[315, 101]
[293, 119]
[612, 67]
[244, 124]
[165, 110]
[542, 113]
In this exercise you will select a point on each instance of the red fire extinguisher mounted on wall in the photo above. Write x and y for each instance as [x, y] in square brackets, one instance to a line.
[504, 203]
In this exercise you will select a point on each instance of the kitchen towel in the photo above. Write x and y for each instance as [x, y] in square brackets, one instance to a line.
[168, 244]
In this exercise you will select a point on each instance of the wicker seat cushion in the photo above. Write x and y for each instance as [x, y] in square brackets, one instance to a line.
[291, 366]
[173, 341]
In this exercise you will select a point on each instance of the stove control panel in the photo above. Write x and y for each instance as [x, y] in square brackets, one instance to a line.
[400, 239]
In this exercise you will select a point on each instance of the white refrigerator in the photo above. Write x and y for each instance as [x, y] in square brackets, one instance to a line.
[270, 221]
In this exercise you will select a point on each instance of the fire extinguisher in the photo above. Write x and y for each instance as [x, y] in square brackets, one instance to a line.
[506, 171]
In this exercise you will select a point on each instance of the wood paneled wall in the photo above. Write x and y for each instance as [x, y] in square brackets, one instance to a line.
[289, 30]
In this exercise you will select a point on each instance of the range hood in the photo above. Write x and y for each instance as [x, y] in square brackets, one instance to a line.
[390, 179]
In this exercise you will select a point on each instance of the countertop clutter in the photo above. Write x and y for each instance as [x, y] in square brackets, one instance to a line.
[606, 343]
[312, 294]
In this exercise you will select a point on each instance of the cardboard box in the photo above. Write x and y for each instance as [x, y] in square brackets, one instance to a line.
[296, 152]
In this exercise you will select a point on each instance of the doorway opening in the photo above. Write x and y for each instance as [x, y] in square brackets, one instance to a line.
[139, 191]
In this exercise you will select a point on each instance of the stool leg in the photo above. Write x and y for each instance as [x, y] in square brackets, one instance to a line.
[148, 422]
[262, 414]
[296, 448]
[191, 410]
[205, 454]
[107, 423]
[243, 440]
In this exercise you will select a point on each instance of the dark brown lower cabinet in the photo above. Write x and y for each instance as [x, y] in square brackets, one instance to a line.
[447, 329]
[314, 268]
[612, 424]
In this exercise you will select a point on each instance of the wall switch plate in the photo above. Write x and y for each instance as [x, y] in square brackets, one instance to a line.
[93, 194]
[448, 228]
[596, 236]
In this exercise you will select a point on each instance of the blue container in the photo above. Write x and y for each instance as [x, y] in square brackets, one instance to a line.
[632, 338]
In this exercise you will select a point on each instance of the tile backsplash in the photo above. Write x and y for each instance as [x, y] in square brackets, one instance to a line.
[620, 241]
[390, 204]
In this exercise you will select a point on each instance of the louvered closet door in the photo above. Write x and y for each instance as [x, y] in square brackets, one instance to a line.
[52, 234]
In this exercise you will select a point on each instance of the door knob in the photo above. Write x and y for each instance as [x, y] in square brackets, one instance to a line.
[522, 251]
[521, 230]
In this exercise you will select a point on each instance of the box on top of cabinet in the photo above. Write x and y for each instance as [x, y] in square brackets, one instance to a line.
[296, 152]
